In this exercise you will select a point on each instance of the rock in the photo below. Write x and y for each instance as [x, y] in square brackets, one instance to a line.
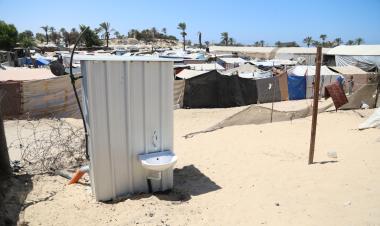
[332, 154]
[347, 203]
[277, 204]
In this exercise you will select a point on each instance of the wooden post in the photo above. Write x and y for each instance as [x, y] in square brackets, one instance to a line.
[315, 103]
[5, 167]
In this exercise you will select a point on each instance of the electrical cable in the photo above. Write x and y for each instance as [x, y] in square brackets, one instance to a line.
[73, 79]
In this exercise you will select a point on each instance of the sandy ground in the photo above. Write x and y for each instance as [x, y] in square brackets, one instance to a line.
[240, 175]
[24, 73]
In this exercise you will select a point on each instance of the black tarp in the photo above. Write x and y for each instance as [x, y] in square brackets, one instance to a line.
[213, 90]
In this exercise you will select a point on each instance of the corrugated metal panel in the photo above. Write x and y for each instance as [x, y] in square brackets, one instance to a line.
[126, 102]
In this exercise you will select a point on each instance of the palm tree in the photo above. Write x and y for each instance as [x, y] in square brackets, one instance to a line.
[66, 36]
[359, 41]
[308, 41]
[154, 32]
[182, 28]
[200, 39]
[350, 42]
[224, 38]
[46, 28]
[105, 27]
[231, 41]
[323, 38]
[338, 41]
[163, 30]
[262, 43]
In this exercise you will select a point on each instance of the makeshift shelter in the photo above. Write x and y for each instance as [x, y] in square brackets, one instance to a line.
[205, 67]
[366, 57]
[327, 77]
[248, 71]
[230, 62]
[212, 90]
[360, 77]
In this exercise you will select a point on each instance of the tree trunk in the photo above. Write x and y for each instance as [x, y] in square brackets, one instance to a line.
[5, 167]
[107, 37]
[184, 43]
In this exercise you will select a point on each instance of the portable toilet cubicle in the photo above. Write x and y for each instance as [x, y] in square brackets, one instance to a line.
[128, 108]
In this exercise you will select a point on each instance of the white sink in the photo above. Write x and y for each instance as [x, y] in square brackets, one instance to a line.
[158, 161]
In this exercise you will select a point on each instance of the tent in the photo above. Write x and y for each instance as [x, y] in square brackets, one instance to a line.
[268, 90]
[327, 77]
[359, 76]
[213, 90]
[296, 87]
[366, 57]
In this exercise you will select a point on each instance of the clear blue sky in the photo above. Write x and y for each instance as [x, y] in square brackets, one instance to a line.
[246, 21]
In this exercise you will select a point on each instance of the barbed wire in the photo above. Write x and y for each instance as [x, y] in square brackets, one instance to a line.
[47, 145]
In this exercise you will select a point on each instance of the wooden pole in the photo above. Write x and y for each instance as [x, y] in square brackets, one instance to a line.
[315, 103]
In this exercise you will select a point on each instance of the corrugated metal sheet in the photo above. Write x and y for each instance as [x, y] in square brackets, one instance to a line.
[50, 98]
[126, 102]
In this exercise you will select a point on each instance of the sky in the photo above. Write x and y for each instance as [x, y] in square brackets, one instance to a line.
[246, 21]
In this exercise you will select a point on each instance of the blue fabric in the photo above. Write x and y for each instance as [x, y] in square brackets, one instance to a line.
[41, 61]
[296, 87]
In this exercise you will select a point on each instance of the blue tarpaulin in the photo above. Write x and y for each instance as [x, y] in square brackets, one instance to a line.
[296, 87]
[41, 62]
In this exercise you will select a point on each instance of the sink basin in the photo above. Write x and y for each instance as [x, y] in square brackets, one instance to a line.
[158, 161]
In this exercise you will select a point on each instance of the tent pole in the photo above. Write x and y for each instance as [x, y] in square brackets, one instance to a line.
[274, 89]
[315, 104]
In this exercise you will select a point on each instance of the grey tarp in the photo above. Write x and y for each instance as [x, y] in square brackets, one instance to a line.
[268, 90]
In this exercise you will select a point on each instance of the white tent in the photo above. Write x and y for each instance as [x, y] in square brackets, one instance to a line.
[366, 57]
[327, 77]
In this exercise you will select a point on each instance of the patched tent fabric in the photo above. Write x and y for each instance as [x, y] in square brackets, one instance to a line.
[296, 87]
[268, 90]
[283, 85]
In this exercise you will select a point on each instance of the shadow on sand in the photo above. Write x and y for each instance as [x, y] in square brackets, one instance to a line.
[13, 192]
[324, 162]
[188, 181]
